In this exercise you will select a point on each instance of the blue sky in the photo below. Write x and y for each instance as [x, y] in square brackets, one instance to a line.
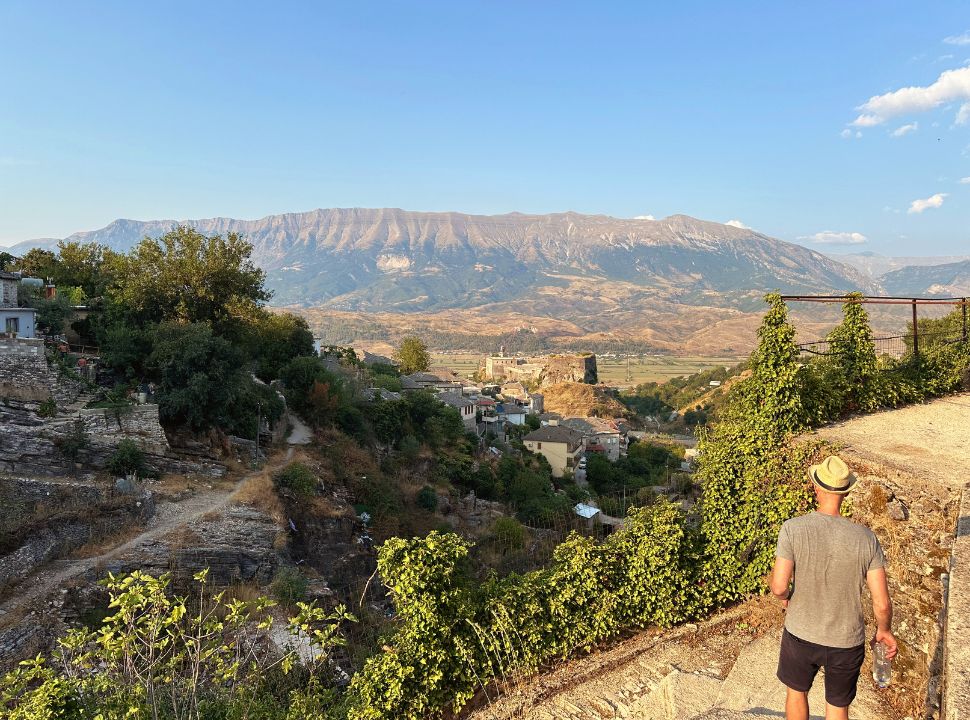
[724, 111]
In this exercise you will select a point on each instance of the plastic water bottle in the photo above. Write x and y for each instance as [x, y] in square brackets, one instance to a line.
[881, 667]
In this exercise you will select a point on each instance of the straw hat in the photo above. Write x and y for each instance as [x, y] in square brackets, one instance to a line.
[832, 475]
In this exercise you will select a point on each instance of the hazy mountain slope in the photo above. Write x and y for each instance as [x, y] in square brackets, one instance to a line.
[952, 280]
[389, 259]
[875, 265]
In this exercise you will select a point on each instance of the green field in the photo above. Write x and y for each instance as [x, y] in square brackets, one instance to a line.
[619, 372]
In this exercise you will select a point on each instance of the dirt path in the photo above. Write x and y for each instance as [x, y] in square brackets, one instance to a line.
[915, 458]
[169, 516]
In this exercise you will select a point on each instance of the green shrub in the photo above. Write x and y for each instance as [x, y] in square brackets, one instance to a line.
[48, 408]
[289, 585]
[127, 459]
[427, 498]
[297, 477]
[162, 655]
[509, 533]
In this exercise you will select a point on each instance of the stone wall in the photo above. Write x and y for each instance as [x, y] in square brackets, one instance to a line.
[29, 444]
[570, 368]
[26, 376]
[136, 422]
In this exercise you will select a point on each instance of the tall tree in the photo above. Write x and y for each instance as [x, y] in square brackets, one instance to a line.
[187, 277]
[413, 355]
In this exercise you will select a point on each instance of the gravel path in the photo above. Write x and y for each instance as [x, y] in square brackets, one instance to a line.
[168, 516]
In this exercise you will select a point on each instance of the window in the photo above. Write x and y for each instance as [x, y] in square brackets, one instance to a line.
[538, 446]
[13, 325]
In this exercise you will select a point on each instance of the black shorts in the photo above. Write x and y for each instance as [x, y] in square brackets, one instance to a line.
[800, 661]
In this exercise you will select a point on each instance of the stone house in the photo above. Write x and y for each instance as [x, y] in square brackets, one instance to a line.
[560, 445]
[601, 435]
[464, 406]
[14, 321]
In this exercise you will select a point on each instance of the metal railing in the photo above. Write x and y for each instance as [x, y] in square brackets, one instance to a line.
[895, 346]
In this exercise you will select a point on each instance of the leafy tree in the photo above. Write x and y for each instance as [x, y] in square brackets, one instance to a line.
[187, 277]
[38, 263]
[125, 348]
[413, 355]
[52, 313]
[854, 353]
[250, 401]
[273, 339]
[197, 373]
[84, 265]
[7, 261]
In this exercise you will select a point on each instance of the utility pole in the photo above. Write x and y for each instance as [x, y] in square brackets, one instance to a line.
[259, 422]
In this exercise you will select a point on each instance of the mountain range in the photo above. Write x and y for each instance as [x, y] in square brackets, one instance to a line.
[661, 282]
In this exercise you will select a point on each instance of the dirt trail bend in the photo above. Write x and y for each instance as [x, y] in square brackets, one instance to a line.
[169, 516]
[913, 464]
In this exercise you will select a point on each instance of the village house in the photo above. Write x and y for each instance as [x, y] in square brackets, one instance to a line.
[601, 435]
[464, 406]
[14, 321]
[434, 380]
[560, 445]
[515, 391]
[511, 412]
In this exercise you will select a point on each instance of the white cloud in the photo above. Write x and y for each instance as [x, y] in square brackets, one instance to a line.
[963, 39]
[737, 224]
[831, 237]
[965, 181]
[644, 217]
[951, 86]
[904, 129]
[963, 115]
[846, 134]
[934, 201]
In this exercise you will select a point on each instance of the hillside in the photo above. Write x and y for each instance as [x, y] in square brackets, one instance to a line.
[951, 280]
[576, 399]
[875, 265]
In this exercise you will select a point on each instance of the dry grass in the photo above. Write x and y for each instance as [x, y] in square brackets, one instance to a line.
[259, 491]
[107, 542]
[582, 400]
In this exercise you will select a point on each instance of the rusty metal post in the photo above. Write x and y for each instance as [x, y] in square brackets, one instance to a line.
[915, 334]
[964, 319]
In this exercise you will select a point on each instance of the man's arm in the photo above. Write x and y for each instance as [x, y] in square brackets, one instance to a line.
[882, 608]
[781, 579]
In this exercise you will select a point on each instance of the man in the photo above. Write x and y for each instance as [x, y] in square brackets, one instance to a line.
[820, 565]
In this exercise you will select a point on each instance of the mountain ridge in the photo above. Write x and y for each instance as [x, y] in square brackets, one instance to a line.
[361, 258]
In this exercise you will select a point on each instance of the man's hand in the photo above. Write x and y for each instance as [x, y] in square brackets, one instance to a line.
[887, 639]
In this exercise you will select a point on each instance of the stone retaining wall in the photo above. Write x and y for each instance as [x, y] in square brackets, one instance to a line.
[25, 374]
[956, 659]
[138, 422]
[29, 444]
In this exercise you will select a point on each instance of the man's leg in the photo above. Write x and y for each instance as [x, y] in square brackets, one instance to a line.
[836, 713]
[796, 705]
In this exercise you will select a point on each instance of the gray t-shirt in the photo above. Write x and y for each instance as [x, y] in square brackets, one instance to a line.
[832, 556]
